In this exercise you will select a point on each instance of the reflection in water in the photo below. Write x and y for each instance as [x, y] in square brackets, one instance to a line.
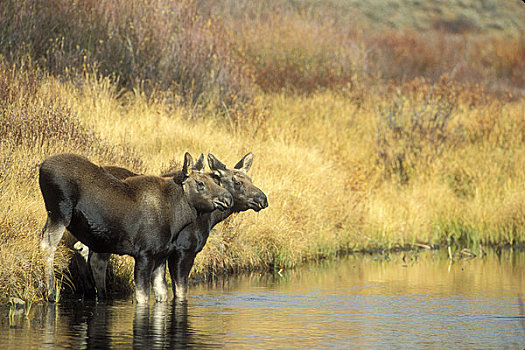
[78, 325]
[87, 326]
[408, 300]
[153, 329]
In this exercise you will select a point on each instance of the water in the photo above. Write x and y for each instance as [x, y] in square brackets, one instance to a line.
[402, 301]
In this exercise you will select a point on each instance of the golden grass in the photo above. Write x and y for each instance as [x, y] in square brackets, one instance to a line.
[315, 157]
[349, 160]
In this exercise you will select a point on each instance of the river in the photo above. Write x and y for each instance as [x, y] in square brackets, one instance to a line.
[418, 300]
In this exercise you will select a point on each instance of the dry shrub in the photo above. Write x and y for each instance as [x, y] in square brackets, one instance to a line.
[307, 47]
[503, 60]
[149, 45]
[407, 55]
[209, 52]
[497, 62]
[286, 50]
[458, 25]
[411, 133]
[37, 117]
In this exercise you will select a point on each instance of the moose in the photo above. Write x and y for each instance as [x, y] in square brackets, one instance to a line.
[193, 237]
[140, 216]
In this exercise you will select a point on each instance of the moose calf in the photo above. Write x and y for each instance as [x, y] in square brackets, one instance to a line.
[193, 237]
[140, 216]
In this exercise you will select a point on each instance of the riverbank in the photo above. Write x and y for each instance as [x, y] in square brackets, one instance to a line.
[414, 299]
[368, 155]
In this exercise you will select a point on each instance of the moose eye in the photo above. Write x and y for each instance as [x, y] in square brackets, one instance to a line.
[200, 185]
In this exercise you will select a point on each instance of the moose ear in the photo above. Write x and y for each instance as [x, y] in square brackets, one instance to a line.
[199, 164]
[215, 165]
[245, 163]
[188, 164]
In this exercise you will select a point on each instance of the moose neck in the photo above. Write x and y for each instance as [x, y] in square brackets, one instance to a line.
[183, 212]
[217, 216]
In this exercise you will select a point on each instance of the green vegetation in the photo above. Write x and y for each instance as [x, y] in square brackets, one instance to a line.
[373, 126]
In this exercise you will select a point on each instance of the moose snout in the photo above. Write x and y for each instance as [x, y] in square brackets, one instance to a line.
[224, 201]
[261, 200]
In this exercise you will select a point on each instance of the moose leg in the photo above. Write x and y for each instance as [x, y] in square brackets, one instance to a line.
[143, 271]
[180, 264]
[99, 265]
[52, 232]
[83, 277]
[158, 280]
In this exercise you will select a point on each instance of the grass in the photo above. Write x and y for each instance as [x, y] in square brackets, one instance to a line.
[365, 137]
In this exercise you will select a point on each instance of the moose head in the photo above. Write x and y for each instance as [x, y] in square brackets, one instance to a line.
[202, 192]
[245, 194]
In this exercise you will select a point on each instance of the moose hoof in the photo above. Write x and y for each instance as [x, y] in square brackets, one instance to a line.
[141, 297]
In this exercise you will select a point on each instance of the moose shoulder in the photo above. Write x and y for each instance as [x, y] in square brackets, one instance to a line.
[139, 216]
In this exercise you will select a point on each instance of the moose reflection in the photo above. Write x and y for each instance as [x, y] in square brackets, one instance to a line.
[95, 325]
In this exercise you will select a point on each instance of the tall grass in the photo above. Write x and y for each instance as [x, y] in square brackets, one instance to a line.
[413, 132]
[363, 139]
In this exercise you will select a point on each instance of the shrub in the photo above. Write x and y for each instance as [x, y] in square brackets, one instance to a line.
[411, 134]
[148, 45]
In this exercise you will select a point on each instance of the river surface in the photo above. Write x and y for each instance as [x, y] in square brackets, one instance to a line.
[396, 301]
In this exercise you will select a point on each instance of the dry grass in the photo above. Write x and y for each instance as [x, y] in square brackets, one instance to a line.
[362, 139]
